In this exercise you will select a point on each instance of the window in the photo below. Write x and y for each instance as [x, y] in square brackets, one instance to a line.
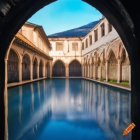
[86, 43]
[96, 35]
[74, 46]
[83, 46]
[102, 30]
[109, 27]
[90, 39]
[59, 46]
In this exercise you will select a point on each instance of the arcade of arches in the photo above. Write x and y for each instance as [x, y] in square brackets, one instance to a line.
[109, 61]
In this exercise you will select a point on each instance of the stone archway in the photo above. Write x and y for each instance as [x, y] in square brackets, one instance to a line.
[125, 67]
[112, 67]
[26, 67]
[13, 67]
[75, 68]
[41, 69]
[59, 69]
[98, 69]
[35, 69]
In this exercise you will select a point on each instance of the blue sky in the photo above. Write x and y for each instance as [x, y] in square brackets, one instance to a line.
[64, 15]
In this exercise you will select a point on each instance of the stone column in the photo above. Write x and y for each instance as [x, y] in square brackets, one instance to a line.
[20, 71]
[106, 70]
[95, 71]
[51, 70]
[38, 71]
[92, 71]
[82, 70]
[100, 76]
[85, 71]
[67, 71]
[91, 75]
[119, 71]
[31, 70]
[44, 70]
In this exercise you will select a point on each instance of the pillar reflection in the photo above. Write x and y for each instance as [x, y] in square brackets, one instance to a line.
[70, 100]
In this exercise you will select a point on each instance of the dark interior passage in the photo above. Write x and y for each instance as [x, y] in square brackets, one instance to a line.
[13, 69]
[41, 69]
[58, 69]
[48, 70]
[75, 68]
[35, 69]
[26, 67]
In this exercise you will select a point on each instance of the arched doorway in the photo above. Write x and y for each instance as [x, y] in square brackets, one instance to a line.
[75, 68]
[26, 67]
[48, 70]
[13, 67]
[41, 69]
[35, 69]
[112, 66]
[59, 69]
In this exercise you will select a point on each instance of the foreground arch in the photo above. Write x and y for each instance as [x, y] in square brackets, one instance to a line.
[75, 68]
[35, 69]
[26, 67]
[120, 15]
[58, 69]
[13, 67]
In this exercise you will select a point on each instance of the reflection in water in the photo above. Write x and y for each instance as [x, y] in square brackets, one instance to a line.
[67, 109]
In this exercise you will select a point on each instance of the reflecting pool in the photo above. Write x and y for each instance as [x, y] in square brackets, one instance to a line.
[68, 109]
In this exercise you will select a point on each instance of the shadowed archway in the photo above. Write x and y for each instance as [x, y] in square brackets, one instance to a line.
[58, 69]
[48, 70]
[26, 67]
[13, 67]
[35, 69]
[41, 69]
[75, 68]
[112, 67]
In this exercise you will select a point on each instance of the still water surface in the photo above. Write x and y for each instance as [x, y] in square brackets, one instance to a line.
[68, 109]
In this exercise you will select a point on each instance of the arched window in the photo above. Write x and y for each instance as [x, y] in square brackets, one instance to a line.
[86, 43]
[102, 30]
[90, 39]
[95, 35]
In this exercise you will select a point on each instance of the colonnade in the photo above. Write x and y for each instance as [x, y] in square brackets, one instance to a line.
[110, 64]
[27, 67]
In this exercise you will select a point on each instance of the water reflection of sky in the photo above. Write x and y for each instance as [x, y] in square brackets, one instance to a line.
[68, 109]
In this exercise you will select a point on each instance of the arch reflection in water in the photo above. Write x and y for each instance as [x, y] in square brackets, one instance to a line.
[67, 109]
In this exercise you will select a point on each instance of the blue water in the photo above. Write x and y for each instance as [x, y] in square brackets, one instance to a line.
[68, 109]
